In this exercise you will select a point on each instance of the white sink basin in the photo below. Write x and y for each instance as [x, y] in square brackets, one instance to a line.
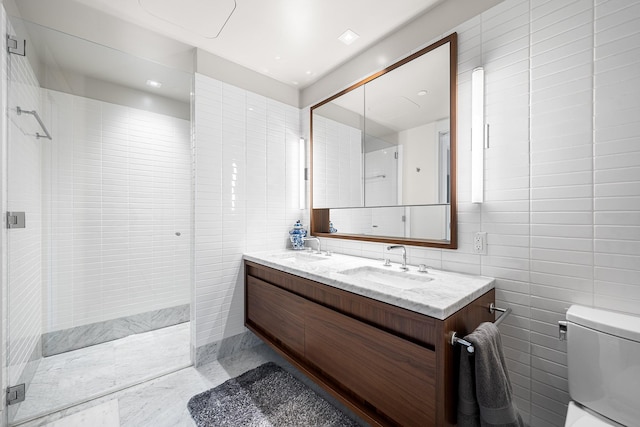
[302, 256]
[395, 279]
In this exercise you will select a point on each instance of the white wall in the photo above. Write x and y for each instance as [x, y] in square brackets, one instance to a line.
[428, 222]
[420, 168]
[246, 196]
[380, 177]
[562, 183]
[117, 187]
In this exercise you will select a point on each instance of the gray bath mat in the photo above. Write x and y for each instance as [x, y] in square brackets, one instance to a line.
[265, 396]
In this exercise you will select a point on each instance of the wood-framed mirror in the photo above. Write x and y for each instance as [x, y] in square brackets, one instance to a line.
[383, 154]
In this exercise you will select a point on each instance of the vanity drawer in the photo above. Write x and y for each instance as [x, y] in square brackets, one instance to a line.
[396, 376]
[278, 313]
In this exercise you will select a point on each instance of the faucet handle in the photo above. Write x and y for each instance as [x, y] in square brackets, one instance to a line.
[387, 262]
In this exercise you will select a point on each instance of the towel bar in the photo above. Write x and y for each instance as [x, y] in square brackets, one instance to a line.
[492, 309]
[34, 113]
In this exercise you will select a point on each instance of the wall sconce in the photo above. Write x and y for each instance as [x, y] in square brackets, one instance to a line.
[302, 161]
[477, 135]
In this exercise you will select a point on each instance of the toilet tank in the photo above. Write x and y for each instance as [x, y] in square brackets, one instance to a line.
[603, 356]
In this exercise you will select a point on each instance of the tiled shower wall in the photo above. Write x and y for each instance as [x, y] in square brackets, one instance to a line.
[246, 196]
[562, 177]
[117, 210]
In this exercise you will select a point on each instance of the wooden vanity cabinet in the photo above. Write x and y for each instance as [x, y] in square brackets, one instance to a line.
[389, 365]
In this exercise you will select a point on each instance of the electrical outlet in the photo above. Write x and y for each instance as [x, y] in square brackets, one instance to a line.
[480, 243]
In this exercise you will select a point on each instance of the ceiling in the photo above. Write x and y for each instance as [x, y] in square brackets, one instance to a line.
[293, 41]
[78, 60]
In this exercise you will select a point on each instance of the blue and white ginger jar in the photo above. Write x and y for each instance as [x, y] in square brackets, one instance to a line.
[296, 235]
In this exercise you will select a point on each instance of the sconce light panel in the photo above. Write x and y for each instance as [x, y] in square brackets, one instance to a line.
[302, 151]
[477, 135]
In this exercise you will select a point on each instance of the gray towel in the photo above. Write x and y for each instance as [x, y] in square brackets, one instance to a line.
[484, 389]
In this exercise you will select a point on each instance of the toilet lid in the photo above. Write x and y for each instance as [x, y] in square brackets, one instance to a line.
[578, 416]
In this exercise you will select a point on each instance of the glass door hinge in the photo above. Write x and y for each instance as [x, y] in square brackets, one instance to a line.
[16, 45]
[15, 394]
[15, 220]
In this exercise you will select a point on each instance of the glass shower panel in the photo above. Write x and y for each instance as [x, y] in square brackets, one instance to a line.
[25, 178]
[101, 273]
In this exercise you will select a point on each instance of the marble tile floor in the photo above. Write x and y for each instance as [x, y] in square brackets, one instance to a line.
[80, 375]
[162, 402]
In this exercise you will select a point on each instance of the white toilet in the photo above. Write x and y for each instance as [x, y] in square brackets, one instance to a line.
[603, 357]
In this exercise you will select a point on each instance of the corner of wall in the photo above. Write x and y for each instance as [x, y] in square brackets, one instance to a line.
[226, 71]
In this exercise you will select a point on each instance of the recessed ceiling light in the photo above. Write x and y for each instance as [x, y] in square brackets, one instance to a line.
[308, 73]
[422, 93]
[278, 58]
[348, 37]
[154, 83]
[295, 83]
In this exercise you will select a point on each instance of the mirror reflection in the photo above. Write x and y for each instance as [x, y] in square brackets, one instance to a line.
[338, 166]
[382, 151]
[386, 143]
[394, 221]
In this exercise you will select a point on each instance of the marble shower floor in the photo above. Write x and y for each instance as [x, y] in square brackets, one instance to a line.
[76, 376]
[162, 402]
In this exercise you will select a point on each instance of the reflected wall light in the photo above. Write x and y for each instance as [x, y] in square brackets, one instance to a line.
[477, 135]
[302, 161]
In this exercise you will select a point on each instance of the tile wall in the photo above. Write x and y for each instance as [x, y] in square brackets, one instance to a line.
[246, 196]
[117, 193]
[616, 174]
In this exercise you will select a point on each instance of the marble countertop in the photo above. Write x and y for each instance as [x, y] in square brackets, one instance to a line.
[437, 293]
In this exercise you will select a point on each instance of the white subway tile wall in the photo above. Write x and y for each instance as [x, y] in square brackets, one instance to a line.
[117, 191]
[617, 156]
[505, 215]
[246, 196]
[561, 121]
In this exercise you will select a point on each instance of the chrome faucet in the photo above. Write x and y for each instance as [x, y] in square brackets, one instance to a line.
[404, 255]
[311, 238]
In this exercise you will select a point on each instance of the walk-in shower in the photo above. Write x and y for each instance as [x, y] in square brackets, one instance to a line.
[98, 194]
